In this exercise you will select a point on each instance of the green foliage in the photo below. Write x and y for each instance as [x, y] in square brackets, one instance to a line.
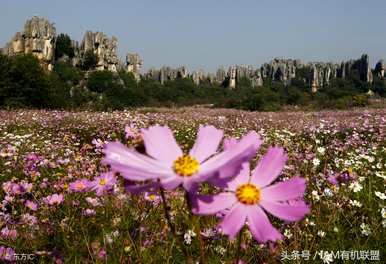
[360, 100]
[64, 47]
[379, 87]
[58, 93]
[100, 81]
[26, 83]
[90, 60]
[68, 73]
[4, 78]
[23, 83]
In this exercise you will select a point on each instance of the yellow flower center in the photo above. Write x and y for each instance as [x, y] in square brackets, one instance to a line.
[248, 194]
[102, 182]
[186, 165]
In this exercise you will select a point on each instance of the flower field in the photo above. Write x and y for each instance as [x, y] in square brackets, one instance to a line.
[233, 187]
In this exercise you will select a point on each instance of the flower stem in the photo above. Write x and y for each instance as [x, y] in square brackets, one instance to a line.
[166, 211]
[238, 250]
[172, 227]
[197, 227]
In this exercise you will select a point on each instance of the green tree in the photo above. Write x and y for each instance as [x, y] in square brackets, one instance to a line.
[100, 81]
[4, 78]
[63, 47]
[28, 83]
[379, 87]
[58, 93]
[68, 73]
[90, 60]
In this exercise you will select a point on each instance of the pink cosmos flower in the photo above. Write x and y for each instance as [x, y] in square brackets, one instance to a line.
[81, 185]
[7, 253]
[29, 219]
[102, 254]
[93, 201]
[8, 233]
[131, 131]
[54, 199]
[98, 143]
[167, 162]
[247, 198]
[103, 183]
[31, 205]
[89, 212]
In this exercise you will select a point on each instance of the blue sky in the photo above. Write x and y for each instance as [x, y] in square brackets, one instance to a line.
[207, 33]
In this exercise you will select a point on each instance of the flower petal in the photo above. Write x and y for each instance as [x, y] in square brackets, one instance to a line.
[241, 178]
[190, 184]
[269, 167]
[229, 143]
[139, 188]
[207, 142]
[286, 211]
[260, 226]
[225, 163]
[211, 204]
[234, 220]
[160, 144]
[283, 191]
[172, 182]
[133, 165]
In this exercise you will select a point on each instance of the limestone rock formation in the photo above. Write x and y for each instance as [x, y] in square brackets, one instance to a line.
[134, 64]
[38, 38]
[380, 69]
[364, 69]
[167, 74]
[220, 75]
[238, 72]
[198, 76]
[104, 47]
[232, 74]
[282, 70]
[321, 74]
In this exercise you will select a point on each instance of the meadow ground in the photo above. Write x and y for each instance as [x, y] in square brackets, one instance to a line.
[341, 154]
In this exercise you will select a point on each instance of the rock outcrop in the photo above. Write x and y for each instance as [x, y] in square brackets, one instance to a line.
[134, 64]
[221, 75]
[321, 74]
[103, 47]
[198, 76]
[282, 70]
[167, 74]
[38, 38]
[380, 69]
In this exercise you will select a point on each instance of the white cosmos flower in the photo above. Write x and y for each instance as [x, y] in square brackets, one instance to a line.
[321, 150]
[355, 203]
[380, 195]
[366, 231]
[383, 213]
[316, 162]
[355, 186]
[315, 195]
[321, 233]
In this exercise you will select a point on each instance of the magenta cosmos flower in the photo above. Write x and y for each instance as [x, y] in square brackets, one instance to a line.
[247, 197]
[81, 185]
[103, 183]
[167, 162]
[31, 205]
[54, 199]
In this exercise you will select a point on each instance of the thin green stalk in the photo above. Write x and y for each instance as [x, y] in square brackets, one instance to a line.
[172, 227]
[197, 228]
[238, 249]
